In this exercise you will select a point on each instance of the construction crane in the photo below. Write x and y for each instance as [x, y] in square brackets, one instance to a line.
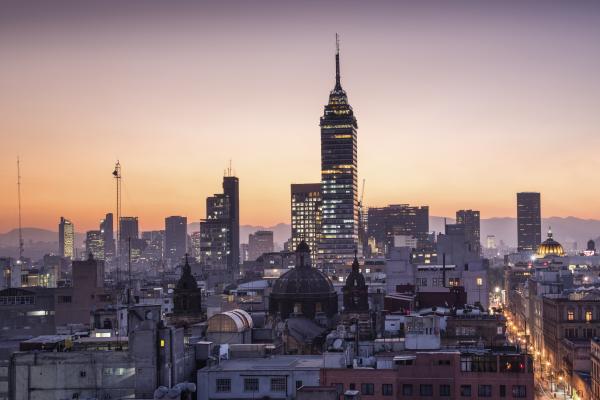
[21, 249]
[117, 176]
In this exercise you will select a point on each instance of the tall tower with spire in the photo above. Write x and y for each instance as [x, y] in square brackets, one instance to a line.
[339, 176]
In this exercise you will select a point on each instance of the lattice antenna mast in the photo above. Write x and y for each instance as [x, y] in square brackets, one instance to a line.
[117, 177]
[21, 250]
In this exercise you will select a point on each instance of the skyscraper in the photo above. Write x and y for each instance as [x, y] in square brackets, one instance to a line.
[306, 211]
[259, 242]
[66, 238]
[129, 229]
[470, 219]
[339, 233]
[220, 230]
[94, 244]
[107, 229]
[175, 238]
[529, 221]
[384, 223]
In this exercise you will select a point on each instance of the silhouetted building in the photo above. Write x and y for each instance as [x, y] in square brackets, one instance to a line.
[529, 221]
[303, 290]
[66, 238]
[175, 238]
[339, 233]
[259, 242]
[306, 212]
[220, 230]
[129, 228]
[187, 297]
[397, 219]
[108, 236]
[94, 244]
[470, 220]
[356, 291]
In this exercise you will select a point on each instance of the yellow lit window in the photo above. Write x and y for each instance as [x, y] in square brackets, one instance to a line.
[162, 342]
[588, 316]
[570, 315]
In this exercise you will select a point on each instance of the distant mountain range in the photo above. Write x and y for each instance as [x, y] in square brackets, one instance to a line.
[567, 230]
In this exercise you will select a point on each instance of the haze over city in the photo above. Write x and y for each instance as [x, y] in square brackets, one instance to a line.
[460, 108]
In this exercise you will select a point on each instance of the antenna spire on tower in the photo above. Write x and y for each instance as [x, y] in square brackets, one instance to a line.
[338, 85]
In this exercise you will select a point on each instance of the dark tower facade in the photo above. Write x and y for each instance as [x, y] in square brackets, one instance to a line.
[529, 221]
[339, 232]
[355, 291]
[187, 297]
[231, 189]
[175, 238]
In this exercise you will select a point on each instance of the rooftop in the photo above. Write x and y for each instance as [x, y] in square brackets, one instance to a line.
[278, 362]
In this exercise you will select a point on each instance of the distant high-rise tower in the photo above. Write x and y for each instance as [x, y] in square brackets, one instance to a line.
[259, 243]
[66, 238]
[108, 236]
[384, 223]
[529, 221]
[220, 230]
[175, 238]
[306, 214]
[94, 245]
[470, 219]
[339, 175]
[129, 229]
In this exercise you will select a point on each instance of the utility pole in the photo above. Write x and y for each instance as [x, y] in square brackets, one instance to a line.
[19, 201]
[117, 175]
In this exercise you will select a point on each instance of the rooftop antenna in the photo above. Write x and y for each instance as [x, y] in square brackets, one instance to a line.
[117, 175]
[338, 85]
[19, 201]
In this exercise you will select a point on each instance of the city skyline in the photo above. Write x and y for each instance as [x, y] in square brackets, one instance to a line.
[528, 124]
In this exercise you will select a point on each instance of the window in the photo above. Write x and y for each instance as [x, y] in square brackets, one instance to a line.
[387, 389]
[339, 387]
[479, 281]
[570, 315]
[223, 385]
[367, 389]
[466, 363]
[407, 389]
[502, 390]
[421, 281]
[299, 384]
[444, 362]
[251, 385]
[465, 390]
[444, 390]
[82, 374]
[64, 299]
[426, 390]
[484, 391]
[588, 316]
[519, 391]
[454, 282]
[278, 384]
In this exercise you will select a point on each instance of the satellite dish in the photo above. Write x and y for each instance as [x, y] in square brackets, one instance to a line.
[337, 343]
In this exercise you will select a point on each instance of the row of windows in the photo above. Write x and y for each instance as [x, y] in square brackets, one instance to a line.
[278, 385]
[12, 300]
[427, 390]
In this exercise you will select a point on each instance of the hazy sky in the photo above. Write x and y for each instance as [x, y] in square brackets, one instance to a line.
[459, 104]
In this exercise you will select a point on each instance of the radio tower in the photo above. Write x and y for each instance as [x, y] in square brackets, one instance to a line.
[117, 175]
[19, 201]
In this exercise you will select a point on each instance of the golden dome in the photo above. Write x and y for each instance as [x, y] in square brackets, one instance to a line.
[550, 247]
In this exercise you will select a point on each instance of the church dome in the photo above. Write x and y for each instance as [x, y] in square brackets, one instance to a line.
[550, 247]
[303, 279]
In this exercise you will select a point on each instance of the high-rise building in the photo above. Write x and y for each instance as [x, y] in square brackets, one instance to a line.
[470, 219]
[306, 204]
[220, 230]
[397, 219]
[339, 174]
[259, 242]
[129, 228]
[107, 229]
[195, 239]
[66, 238]
[175, 238]
[529, 221]
[94, 244]
[491, 242]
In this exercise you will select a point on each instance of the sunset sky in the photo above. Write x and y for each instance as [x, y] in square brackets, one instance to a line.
[459, 104]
